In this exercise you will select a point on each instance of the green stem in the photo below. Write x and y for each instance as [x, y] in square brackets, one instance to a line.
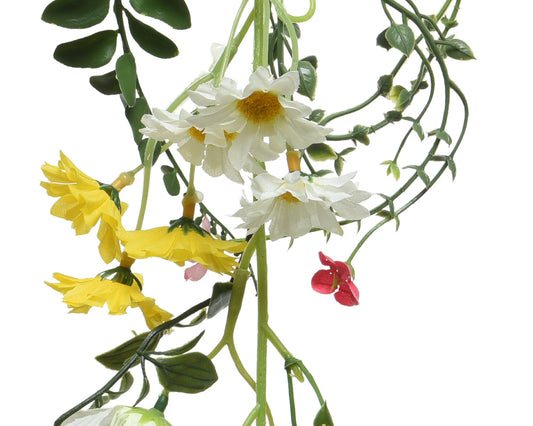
[286, 19]
[262, 324]
[261, 27]
[147, 163]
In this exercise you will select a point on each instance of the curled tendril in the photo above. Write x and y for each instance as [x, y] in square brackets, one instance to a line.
[308, 15]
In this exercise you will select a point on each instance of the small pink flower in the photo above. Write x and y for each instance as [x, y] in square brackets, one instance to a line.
[337, 279]
[197, 271]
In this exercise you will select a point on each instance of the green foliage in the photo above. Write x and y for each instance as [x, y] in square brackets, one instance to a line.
[127, 77]
[151, 40]
[93, 51]
[417, 127]
[323, 417]
[421, 173]
[441, 134]
[220, 298]
[317, 115]
[173, 12]
[449, 162]
[134, 115]
[401, 37]
[106, 84]
[457, 49]
[360, 134]
[321, 152]
[385, 84]
[382, 41]
[170, 179]
[76, 13]
[189, 373]
[125, 385]
[184, 348]
[392, 168]
[307, 74]
[115, 358]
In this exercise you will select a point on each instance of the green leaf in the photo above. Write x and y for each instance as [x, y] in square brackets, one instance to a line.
[421, 173]
[385, 84]
[381, 40]
[312, 60]
[346, 151]
[173, 12]
[457, 49]
[170, 179]
[93, 51]
[76, 13]
[451, 166]
[151, 40]
[115, 358]
[183, 349]
[317, 115]
[106, 83]
[127, 77]
[321, 152]
[307, 74]
[145, 390]
[339, 165]
[189, 373]
[441, 134]
[220, 298]
[401, 37]
[360, 134]
[323, 417]
[392, 169]
[393, 116]
[134, 115]
[417, 127]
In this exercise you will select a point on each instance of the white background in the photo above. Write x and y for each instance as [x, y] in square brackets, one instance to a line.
[443, 332]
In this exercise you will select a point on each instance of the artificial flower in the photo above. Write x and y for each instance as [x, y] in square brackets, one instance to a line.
[263, 110]
[84, 201]
[117, 416]
[180, 245]
[297, 203]
[338, 279]
[82, 294]
[197, 146]
[197, 271]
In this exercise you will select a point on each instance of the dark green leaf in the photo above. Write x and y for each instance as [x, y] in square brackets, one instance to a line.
[145, 390]
[316, 115]
[346, 151]
[106, 83]
[323, 417]
[134, 115]
[457, 49]
[401, 37]
[183, 349]
[312, 60]
[321, 152]
[170, 179]
[393, 116]
[173, 12]
[189, 373]
[385, 84]
[76, 13]
[127, 77]
[307, 74]
[320, 173]
[220, 298]
[381, 40]
[451, 166]
[115, 358]
[339, 165]
[151, 40]
[360, 134]
[125, 385]
[93, 51]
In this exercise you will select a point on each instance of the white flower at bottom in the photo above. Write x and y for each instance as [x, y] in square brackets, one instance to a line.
[117, 416]
[297, 203]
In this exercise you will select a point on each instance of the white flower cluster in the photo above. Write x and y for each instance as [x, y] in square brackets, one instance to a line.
[236, 130]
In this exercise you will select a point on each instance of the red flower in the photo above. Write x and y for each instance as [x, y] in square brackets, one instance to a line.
[338, 278]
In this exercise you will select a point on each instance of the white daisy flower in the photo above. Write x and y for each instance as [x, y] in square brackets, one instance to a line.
[263, 110]
[297, 203]
[199, 147]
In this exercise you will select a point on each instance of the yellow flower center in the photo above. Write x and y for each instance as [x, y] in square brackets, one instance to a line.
[289, 198]
[199, 135]
[260, 107]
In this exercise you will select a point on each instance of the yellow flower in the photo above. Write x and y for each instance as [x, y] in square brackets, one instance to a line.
[82, 201]
[82, 294]
[179, 245]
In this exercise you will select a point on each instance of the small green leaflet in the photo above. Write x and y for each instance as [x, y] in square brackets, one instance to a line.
[93, 51]
[76, 13]
[173, 12]
[323, 417]
[127, 77]
[401, 37]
